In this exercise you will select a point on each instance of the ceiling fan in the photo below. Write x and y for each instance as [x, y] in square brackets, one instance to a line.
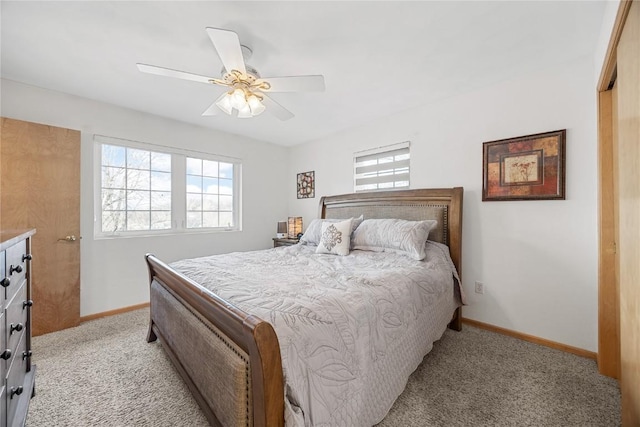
[246, 90]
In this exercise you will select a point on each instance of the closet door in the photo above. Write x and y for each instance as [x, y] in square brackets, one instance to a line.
[40, 188]
[608, 262]
[628, 82]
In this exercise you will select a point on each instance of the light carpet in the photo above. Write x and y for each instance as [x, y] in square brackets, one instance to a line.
[104, 373]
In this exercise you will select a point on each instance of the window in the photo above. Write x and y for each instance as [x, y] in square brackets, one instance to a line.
[384, 168]
[209, 193]
[148, 189]
[135, 189]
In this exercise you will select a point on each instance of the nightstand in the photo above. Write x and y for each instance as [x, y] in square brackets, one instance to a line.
[284, 242]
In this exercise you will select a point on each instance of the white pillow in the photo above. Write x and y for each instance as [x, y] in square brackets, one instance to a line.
[393, 235]
[314, 231]
[335, 238]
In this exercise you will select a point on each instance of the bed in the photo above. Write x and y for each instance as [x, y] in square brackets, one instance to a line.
[232, 360]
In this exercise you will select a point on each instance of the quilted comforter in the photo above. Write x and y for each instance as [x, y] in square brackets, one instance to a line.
[351, 329]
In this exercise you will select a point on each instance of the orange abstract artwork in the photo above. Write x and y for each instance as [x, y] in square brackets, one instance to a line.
[525, 168]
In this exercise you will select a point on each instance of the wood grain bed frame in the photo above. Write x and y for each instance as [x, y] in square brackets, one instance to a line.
[230, 359]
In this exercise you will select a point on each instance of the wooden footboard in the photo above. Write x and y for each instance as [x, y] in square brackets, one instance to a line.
[229, 359]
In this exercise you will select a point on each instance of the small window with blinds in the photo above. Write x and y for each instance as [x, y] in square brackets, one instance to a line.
[385, 168]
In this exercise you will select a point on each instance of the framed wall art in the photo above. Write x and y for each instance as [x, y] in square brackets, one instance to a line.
[530, 167]
[306, 185]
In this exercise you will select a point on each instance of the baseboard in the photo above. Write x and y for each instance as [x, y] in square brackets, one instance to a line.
[525, 337]
[536, 340]
[113, 312]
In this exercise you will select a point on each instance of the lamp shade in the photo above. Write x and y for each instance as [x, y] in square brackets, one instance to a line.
[225, 104]
[295, 226]
[238, 100]
[256, 106]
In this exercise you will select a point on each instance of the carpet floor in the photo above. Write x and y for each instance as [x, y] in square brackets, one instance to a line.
[104, 373]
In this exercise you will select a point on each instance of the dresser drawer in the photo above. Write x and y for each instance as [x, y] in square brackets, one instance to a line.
[15, 267]
[4, 356]
[19, 356]
[16, 318]
[2, 276]
[15, 387]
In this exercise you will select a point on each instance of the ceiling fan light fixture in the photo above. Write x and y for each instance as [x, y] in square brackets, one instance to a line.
[225, 104]
[245, 112]
[238, 99]
[257, 107]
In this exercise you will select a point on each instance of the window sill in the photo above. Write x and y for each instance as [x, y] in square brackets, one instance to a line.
[186, 232]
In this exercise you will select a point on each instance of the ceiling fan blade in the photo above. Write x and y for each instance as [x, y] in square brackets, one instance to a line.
[212, 110]
[276, 109]
[167, 72]
[227, 45]
[295, 84]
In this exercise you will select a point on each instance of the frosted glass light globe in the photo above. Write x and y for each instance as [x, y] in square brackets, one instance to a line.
[257, 107]
[238, 100]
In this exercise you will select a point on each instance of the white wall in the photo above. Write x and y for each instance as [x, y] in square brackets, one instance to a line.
[113, 271]
[608, 19]
[537, 259]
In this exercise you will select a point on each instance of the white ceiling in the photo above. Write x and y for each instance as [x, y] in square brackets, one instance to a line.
[378, 58]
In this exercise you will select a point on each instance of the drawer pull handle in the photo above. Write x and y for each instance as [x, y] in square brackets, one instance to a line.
[27, 257]
[5, 282]
[27, 303]
[17, 327]
[17, 269]
[6, 355]
[26, 354]
[16, 390]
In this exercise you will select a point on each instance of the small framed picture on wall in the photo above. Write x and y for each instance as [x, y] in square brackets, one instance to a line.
[306, 185]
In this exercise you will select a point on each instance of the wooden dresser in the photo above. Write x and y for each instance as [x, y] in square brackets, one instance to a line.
[17, 375]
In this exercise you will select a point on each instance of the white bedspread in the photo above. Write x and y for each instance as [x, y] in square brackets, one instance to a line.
[351, 329]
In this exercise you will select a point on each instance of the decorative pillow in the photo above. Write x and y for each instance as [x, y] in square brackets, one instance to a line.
[393, 235]
[335, 238]
[314, 230]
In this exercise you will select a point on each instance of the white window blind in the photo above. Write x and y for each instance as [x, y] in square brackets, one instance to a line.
[384, 168]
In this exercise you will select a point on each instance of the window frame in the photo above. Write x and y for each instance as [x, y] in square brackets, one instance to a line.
[379, 153]
[178, 188]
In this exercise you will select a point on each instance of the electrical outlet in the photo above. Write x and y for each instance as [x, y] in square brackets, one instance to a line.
[479, 288]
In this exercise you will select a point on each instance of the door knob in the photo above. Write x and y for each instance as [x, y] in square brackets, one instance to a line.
[70, 238]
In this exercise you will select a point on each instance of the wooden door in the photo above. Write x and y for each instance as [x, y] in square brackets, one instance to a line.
[40, 188]
[608, 261]
[628, 82]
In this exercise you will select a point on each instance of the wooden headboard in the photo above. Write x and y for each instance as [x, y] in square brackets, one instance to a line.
[441, 204]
